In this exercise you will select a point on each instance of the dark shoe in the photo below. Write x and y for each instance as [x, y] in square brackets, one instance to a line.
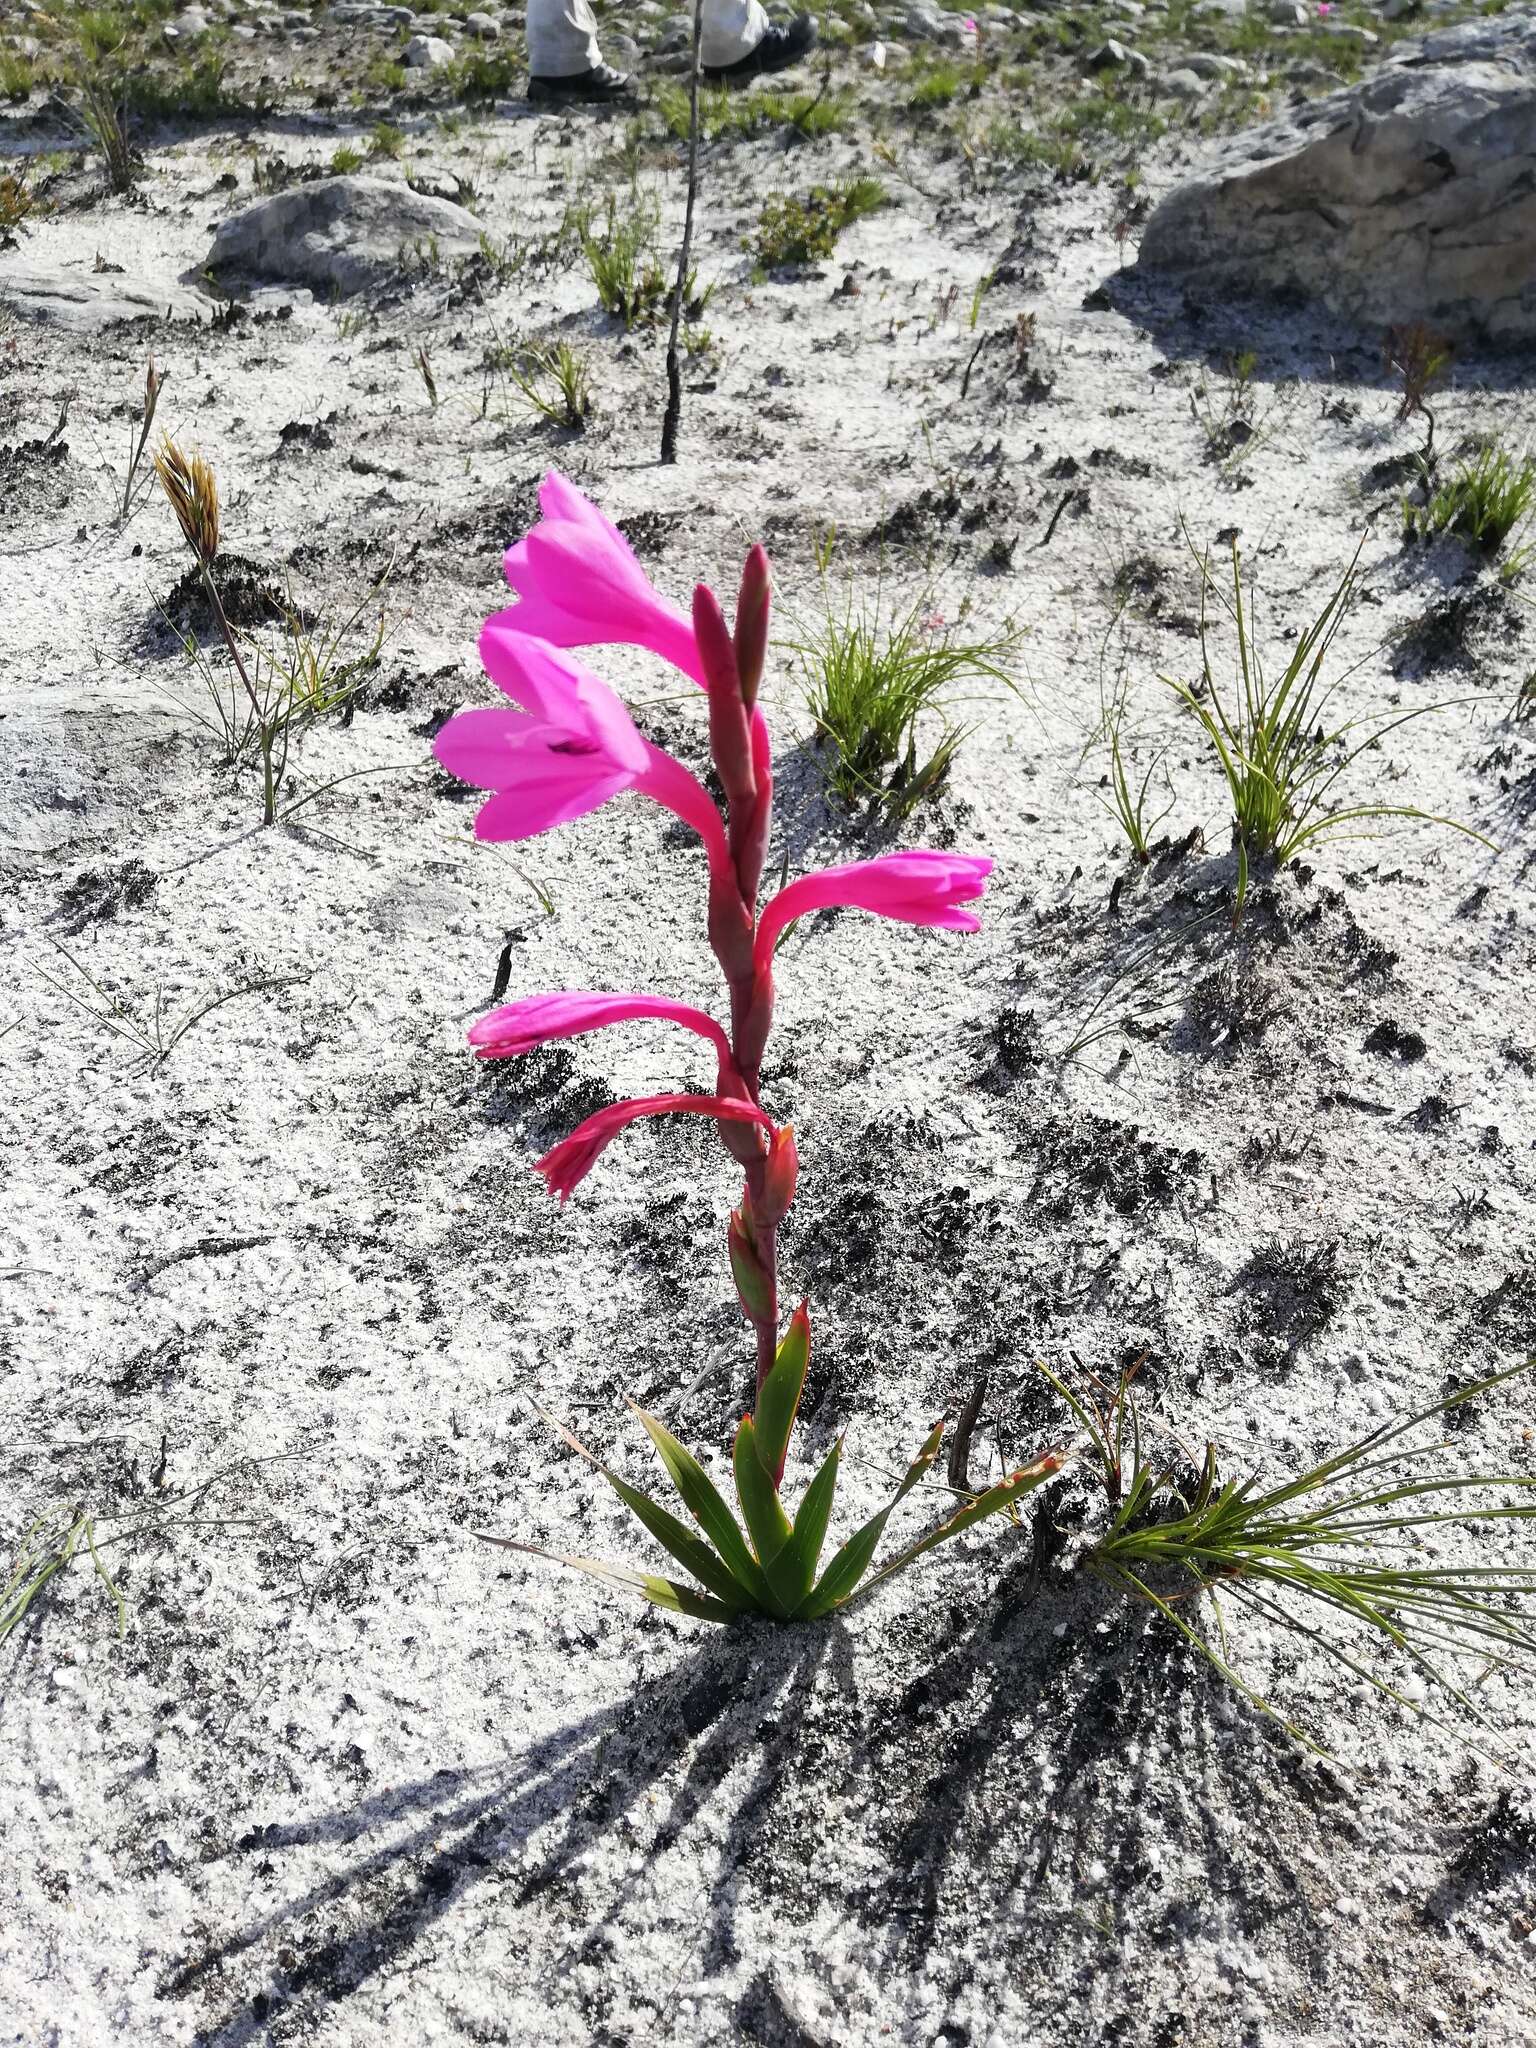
[602, 82]
[779, 48]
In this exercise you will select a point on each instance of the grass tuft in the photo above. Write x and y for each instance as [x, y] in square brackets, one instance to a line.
[1280, 755]
[1482, 504]
[869, 683]
[791, 231]
[1356, 1539]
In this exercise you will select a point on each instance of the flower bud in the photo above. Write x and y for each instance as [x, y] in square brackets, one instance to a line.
[779, 1176]
[730, 739]
[753, 605]
[754, 1283]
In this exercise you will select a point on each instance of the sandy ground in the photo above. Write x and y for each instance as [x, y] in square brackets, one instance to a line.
[273, 1308]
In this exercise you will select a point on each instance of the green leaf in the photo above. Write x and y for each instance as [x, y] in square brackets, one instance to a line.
[779, 1396]
[663, 1592]
[761, 1508]
[992, 1502]
[692, 1553]
[794, 1570]
[852, 1561]
[675, 1536]
[705, 1503]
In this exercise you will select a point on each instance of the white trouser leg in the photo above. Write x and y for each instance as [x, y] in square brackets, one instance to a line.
[732, 28]
[562, 38]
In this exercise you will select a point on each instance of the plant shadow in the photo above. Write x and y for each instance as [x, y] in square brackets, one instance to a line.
[990, 1766]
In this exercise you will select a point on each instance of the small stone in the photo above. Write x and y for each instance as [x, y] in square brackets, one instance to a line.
[1113, 56]
[485, 26]
[427, 52]
[1183, 84]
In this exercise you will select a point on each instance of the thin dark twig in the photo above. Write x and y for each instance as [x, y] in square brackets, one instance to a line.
[960, 1448]
[1066, 499]
[965, 381]
[674, 412]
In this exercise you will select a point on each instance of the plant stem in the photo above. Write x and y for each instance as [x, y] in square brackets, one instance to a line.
[674, 412]
[263, 723]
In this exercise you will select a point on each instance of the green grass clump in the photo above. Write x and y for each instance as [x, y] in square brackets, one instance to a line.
[940, 85]
[623, 260]
[869, 683]
[794, 231]
[1482, 504]
[549, 379]
[1278, 751]
[1355, 1540]
[16, 77]
[736, 115]
[196, 91]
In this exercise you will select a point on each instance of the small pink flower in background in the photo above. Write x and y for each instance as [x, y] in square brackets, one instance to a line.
[932, 622]
[1324, 7]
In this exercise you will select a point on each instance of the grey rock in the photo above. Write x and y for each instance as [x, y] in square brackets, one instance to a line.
[1288, 14]
[932, 25]
[485, 26]
[1409, 197]
[1183, 84]
[343, 235]
[427, 52]
[1113, 56]
[1206, 64]
[83, 302]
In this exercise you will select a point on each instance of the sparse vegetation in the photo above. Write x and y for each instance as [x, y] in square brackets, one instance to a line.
[1488, 497]
[794, 231]
[1352, 1541]
[552, 380]
[623, 259]
[1280, 756]
[872, 682]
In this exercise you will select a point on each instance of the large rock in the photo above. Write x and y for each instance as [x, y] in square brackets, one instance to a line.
[1409, 197]
[342, 235]
[87, 302]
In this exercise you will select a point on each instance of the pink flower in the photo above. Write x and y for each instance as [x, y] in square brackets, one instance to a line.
[579, 585]
[520, 1027]
[574, 1157]
[569, 749]
[916, 888]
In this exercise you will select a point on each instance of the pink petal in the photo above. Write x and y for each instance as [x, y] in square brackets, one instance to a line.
[519, 1027]
[542, 778]
[915, 888]
[574, 1157]
[551, 686]
[581, 586]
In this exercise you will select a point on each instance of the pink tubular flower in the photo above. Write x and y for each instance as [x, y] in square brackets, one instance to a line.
[574, 1157]
[916, 888]
[520, 1027]
[569, 749]
[579, 585]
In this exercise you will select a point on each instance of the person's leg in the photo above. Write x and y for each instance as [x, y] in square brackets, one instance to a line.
[732, 29]
[739, 42]
[562, 38]
[564, 62]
